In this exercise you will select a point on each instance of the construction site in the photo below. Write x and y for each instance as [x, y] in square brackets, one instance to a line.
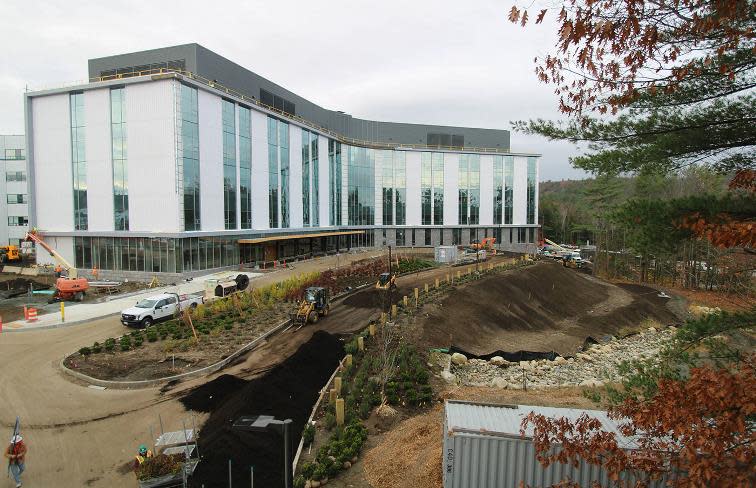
[300, 346]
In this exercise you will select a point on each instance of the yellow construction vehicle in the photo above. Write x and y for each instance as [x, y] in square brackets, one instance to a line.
[386, 281]
[9, 254]
[315, 304]
[572, 260]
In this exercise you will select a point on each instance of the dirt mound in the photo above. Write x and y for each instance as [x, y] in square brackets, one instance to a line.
[538, 309]
[372, 298]
[287, 391]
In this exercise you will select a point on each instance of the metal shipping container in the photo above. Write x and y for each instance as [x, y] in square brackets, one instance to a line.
[483, 448]
[446, 254]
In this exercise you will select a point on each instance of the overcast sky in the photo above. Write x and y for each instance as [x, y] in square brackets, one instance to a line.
[422, 61]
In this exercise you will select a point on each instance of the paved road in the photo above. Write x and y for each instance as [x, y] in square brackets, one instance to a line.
[80, 436]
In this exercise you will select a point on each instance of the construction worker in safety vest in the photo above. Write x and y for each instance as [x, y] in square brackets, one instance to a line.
[58, 271]
[143, 455]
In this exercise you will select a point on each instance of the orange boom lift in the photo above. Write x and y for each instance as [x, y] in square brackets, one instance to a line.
[69, 287]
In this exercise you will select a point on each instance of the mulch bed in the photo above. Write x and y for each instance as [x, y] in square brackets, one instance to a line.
[289, 390]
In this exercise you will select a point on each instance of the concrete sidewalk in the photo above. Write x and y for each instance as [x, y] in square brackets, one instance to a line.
[83, 312]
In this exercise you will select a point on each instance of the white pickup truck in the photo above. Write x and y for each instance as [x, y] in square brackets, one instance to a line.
[156, 308]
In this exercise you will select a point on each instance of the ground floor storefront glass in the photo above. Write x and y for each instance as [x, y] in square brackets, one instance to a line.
[155, 254]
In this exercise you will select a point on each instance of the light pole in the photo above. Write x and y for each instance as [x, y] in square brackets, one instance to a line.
[268, 423]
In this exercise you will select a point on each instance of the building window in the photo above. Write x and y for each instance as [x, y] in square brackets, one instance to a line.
[400, 240]
[427, 237]
[314, 168]
[15, 176]
[508, 190]
[334, 188]
[189, 157]
[278, 173]
[456, 237]
[16, 221]
[118, 150]
[445, 140]
[432, 188]
[426, 189]
[305, 178]
[469, 189]
[245, 166]
[361, 178]
[14, 154]
[531, 235]
[400, 187]
[498, 190]
[310, 180]
[78, 160]
[229, 164]
[388, 187]
[522, 235]
[438, 188]
[16, 198]
[531, 190]
[278, 103]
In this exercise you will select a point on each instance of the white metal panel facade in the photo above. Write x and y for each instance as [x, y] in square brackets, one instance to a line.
[413, 188]
[53, 181]
[451, 189]
[99, 160]
[519, 192]
[259, 171]
[486, 189]
[211, 161]
[151, 157]
[295, 179]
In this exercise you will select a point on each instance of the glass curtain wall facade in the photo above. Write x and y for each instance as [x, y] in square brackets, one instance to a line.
[189, 122]
[79, 160]
[157, 255]
[278, 173]
[361, 189]
[305, 178]
[118, 151]
[229, 164]
[388, 186]
[531, 190]
[426, 189]
[498, 191]
[334, 182]
[245, 166]
[469, 189]
[508, 188]
[400, 187]
[315, 199]
[438, 188]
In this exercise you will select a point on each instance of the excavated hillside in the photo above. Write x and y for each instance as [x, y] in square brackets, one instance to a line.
[539, 309]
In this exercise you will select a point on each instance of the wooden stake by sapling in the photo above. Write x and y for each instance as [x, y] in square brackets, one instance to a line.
[371, 327]
[348, 360]
[393, 311]
[417, 297]
[337, 385]
[426, 288]
[437, 283]
[340, 412]
[361, 343]
[332, 396]
[405, 301]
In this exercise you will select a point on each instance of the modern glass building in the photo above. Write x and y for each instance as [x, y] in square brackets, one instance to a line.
[14, 192]
[177, 160]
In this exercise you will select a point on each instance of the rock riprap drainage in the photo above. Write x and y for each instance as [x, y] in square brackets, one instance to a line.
[593, 367]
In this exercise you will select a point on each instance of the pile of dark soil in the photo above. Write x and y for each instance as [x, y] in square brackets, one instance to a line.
[289, 390]
[372, 298]
[537, 310]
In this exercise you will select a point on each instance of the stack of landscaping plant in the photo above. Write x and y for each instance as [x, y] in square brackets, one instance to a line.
[160, 465]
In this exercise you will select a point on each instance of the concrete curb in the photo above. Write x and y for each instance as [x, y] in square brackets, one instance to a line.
[127, 385]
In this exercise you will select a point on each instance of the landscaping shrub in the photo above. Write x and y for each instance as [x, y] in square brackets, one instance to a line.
[308, 434]
[152, 334]
[299, 481]
[96, 348]
[329, 420]
[160, 465]
[125, 343]
[343, 445]
[110, 344]
[138, 340]
[85, 351]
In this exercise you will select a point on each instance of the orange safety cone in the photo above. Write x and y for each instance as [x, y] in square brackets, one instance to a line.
[1, 324]
[26, 313]
[32, 315]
